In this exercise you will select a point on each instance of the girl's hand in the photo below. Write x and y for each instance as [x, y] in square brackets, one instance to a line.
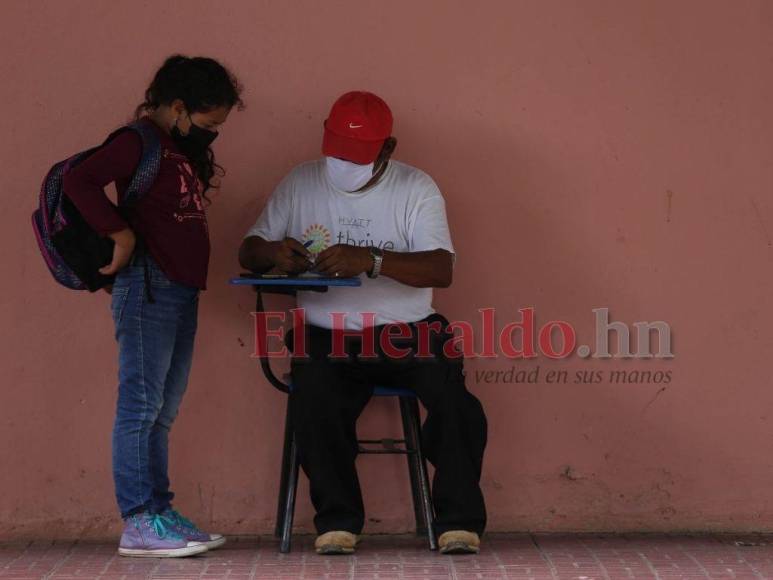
[122, 252]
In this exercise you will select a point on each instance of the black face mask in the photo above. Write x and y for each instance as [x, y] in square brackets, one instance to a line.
[195, 144]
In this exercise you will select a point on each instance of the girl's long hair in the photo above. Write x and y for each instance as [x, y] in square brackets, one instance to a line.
[202, 84]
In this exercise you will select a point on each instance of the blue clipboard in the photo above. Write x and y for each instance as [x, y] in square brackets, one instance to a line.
[294, 281]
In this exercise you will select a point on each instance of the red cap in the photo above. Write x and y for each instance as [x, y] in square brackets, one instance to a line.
[357, 127]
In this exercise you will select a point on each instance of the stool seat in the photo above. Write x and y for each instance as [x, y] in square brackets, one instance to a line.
[393, 392]
[378, 391]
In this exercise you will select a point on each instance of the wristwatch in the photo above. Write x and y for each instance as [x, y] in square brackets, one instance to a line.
[378, 256]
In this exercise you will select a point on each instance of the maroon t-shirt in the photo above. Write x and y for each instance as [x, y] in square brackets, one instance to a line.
[170, 217]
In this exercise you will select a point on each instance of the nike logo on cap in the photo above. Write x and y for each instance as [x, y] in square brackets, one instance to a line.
[353, 126]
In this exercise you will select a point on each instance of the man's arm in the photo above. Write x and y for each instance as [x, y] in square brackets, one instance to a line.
[429, 269]
[259, 255]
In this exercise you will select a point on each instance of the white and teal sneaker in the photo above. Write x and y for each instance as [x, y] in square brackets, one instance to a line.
[188, 530]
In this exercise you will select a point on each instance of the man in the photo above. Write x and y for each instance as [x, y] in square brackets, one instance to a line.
[358, 213]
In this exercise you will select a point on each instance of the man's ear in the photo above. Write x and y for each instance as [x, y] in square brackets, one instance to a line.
[387, 149]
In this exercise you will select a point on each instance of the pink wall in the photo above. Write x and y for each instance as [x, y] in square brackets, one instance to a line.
[555, 130]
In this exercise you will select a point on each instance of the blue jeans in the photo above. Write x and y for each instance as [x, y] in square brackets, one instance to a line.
[155, 349]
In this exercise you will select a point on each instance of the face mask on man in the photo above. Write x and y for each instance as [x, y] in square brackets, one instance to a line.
[196, 142]
[348, 176]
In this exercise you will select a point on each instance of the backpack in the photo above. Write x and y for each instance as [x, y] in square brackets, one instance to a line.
[72, 249]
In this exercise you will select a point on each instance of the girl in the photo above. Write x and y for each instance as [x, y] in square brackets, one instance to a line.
[160, 261]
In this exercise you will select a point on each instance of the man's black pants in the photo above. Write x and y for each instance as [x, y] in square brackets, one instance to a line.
[328, 396]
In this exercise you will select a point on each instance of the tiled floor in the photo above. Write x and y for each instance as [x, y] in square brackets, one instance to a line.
[582, 557]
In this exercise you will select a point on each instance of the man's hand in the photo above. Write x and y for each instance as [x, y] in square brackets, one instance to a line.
[290, 256]
[122, 251]
[344, 260]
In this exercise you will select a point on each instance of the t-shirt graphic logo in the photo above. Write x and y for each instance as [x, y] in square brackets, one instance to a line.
[318, 235]
[190, 205]
[189, 187]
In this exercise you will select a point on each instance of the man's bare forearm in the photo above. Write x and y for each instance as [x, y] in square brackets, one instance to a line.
[432, 269]
[259, 255]
[255, 254]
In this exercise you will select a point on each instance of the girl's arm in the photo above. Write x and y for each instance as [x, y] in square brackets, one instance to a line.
[85, 186]
[85, 183]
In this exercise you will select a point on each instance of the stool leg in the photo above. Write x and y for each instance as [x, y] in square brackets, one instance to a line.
[412, 405]
[292, 488]
[411, 445]
[283, 475]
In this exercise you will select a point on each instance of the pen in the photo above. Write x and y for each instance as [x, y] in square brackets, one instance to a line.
[306, 245]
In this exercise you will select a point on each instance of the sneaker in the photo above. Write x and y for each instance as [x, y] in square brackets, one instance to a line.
[459, 542]
[150, 536]
[188, 530]
[336, 542]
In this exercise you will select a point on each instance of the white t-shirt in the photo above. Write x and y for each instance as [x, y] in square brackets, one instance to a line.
[403, 212]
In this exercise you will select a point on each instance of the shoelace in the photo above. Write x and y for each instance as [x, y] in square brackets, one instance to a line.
[159, 524]
[181, 520]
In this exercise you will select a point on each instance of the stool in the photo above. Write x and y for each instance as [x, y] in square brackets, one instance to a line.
[409, 445]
